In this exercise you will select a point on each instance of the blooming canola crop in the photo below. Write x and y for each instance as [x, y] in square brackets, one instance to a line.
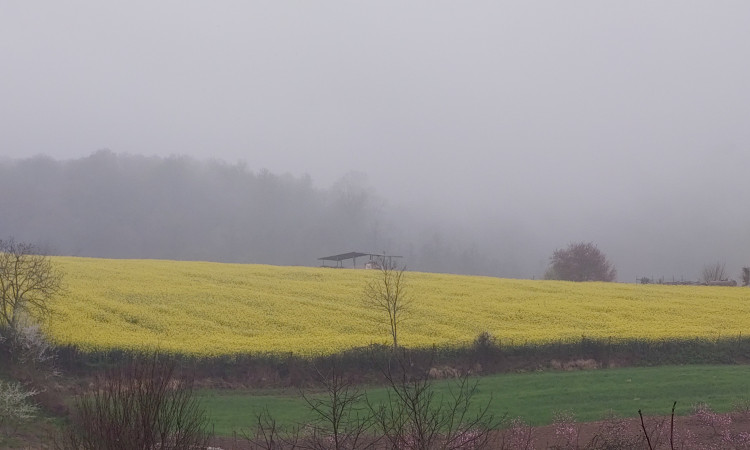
[202, 308]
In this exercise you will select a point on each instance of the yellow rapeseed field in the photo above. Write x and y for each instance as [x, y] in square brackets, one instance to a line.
[206, 308]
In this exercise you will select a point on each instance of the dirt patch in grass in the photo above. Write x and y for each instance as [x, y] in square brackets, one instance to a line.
[703, 429]
[696, 431]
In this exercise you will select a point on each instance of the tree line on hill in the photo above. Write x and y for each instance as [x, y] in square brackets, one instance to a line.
[128, 206]
[124, 206]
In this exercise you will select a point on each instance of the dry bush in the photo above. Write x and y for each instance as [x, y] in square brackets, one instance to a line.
[139, 406]
[517, 436]
[415, 417]
[342, 422]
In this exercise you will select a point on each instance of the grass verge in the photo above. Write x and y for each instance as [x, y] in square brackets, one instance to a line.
[535, 397]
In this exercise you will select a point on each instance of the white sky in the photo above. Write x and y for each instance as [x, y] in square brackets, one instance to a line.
[534, 107]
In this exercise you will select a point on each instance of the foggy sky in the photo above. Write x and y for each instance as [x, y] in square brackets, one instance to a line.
[623, 123]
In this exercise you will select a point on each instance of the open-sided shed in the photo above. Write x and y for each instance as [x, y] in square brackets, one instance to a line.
[340, 258]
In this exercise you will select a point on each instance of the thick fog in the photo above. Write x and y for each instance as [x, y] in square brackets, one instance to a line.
[469, 137]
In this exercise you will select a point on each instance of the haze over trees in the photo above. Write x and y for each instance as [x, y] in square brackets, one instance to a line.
[488, 143]
[126, 206]
[122, 206]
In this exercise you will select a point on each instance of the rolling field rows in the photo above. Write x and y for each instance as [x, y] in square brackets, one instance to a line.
[201, 308]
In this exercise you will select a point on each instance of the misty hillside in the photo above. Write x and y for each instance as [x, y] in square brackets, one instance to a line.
[121, 206]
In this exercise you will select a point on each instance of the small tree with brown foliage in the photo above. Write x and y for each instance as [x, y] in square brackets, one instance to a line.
[580, 261]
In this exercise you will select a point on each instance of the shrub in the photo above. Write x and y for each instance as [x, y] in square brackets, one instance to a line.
[613, 434]
[719, 423]
[518, 436]
[414, 416]
[140, 406]
[566, 431]
[484, 342]
[15, 407]
[28, 347]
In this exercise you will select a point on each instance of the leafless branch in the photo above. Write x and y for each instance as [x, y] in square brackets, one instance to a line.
[387, 293]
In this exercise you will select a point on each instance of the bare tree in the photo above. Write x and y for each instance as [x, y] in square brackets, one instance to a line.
[269, 435]
[415, 416]
[746, 276]
[28, 280]
[342, 420]
[387, 293]
[714, 272]
[580, 261]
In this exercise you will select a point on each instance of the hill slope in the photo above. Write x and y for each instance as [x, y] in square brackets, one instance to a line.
[206, 308]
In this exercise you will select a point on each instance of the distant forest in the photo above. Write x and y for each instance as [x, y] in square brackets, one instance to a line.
[122, 206]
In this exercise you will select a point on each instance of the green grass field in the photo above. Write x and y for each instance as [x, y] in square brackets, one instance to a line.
[535, 397]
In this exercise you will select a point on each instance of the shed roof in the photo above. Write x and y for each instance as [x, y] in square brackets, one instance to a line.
[344, 256]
